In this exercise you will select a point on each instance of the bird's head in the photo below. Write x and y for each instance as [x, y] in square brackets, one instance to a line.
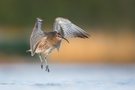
[61, 36]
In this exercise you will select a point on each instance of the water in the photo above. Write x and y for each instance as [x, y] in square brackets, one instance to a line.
[67, 77]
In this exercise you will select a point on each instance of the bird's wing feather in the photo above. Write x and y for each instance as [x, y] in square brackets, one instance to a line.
[35, 38]
[67, 29]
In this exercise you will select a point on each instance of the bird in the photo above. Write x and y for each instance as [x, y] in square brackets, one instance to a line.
[43, 42]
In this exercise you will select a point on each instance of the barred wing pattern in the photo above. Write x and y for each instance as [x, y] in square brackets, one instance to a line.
[36, 36]
[67, 29]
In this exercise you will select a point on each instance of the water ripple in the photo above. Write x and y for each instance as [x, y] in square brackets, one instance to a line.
[47, 84]
[7, 83]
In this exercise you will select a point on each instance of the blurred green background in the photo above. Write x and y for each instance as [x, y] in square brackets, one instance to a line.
[113, 19]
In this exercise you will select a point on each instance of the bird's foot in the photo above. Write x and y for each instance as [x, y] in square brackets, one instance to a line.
[41, 66]
[47, 68]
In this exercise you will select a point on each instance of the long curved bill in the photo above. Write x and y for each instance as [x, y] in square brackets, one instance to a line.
[65, 39]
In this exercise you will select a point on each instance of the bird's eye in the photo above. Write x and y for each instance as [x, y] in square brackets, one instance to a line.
[59, 34]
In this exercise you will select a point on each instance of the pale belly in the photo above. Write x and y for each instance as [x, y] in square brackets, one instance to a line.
[48, 51]
[44, 48]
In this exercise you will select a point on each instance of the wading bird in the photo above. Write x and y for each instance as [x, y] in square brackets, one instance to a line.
[43, 43]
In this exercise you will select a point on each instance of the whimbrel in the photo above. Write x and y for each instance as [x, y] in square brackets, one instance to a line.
[43, 43]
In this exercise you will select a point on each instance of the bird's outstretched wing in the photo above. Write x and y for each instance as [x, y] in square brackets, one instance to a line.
[36, 36]
[67, 29]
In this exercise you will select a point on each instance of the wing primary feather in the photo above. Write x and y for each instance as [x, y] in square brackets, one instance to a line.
[68, 29]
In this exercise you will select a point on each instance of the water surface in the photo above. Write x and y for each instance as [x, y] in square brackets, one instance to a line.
[67, 77]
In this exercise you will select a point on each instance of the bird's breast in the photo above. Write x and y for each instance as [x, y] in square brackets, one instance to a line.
[55, 41]
[46, 45]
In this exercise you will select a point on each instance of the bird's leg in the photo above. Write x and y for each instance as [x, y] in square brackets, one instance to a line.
[47, 66]
[41, 59]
